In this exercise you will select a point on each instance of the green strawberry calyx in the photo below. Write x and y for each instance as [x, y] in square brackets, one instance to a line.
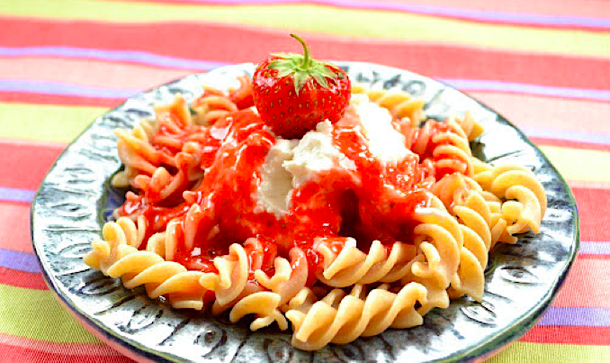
[301, 67]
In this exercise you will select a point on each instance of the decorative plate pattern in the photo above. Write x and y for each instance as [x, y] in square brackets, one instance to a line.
[75, 199]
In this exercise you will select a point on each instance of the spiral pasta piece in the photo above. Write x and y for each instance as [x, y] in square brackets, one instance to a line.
[135, 152]
[289, 277]
[230, 280]
[449, 144]
[484, 218]
[475, 216]
[233, 290]
[526, 200]
[211, 106]
[464, 198]
[439, 239]
[242, 96]
[116, 256]
[264, 305]
[351, 265]
[471, 128]
[340, 318]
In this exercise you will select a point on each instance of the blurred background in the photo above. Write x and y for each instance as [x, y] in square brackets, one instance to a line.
[544, 65]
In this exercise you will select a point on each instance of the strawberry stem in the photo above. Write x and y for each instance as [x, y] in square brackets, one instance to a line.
[306, 58]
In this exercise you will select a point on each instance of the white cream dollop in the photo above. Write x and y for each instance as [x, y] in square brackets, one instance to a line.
[386, 143]
[291, 163]
[315, 153]
[273, 194]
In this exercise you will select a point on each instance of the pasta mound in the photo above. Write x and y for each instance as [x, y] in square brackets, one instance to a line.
[361, 246]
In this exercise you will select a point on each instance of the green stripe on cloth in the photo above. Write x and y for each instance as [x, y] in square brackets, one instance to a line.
[21, 311]
[326, 19]
[45, 122]
[564, 353]
[578, 164]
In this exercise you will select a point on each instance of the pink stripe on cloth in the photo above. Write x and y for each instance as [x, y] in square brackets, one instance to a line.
[528, 88]
[549, 113]
[15, 227]
[28, 280]
[586, 285]
[61, 100]
[585, 184]
[69, 350]
[568, 335]
[89, 72]
[594, 8]
[593, 211]
[130, 43]
[27, 162]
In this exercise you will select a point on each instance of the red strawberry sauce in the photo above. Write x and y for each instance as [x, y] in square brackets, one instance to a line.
[373, 201]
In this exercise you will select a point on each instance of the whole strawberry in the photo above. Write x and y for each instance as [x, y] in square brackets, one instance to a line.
[293, 92]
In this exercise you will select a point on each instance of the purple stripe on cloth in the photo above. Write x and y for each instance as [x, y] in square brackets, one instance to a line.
[593, 138]
[20, 261]
[16, 195]
[65, 89]
[501, 86]
[470, 14]
[598, 317]
[111, 55]
[57, 88]
[594, 248]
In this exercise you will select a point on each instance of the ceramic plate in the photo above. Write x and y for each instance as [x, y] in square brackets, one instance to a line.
[75, 198]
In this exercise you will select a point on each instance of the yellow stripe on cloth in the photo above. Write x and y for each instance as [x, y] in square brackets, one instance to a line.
[45, 122]
[551, 353]
[330, 20]
[580, 164]
[35, 314]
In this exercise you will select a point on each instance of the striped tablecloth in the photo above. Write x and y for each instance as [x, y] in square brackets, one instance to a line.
[543, 64]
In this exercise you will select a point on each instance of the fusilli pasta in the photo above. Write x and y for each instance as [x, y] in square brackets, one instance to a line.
[193, 232]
